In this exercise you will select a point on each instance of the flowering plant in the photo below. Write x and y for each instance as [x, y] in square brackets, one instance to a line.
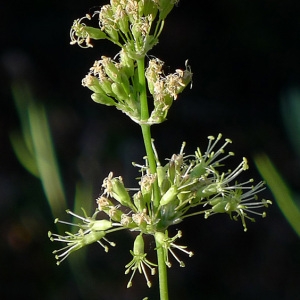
[186, 185]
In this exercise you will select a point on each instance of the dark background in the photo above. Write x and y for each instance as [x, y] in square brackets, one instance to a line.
[245, 56]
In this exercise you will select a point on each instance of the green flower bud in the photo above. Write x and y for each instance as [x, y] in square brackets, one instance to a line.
[169, 196]
[103, 99]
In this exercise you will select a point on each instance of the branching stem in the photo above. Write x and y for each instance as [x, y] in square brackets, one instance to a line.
[146, 131]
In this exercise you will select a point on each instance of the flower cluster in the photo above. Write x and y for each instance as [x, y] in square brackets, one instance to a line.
[188, 185]
[129, 24]
[115, 84]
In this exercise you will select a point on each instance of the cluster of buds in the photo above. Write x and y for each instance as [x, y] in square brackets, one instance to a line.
[188, 185]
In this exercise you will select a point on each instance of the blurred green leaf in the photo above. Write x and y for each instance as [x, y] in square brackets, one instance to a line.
[34, 147]
[280, 190]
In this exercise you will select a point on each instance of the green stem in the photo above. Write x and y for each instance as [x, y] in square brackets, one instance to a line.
[162, 273]
[162, 268]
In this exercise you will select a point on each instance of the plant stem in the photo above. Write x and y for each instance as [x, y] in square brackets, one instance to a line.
[162, 268]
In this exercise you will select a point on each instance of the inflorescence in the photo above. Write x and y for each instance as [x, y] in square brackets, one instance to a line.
[187, 185]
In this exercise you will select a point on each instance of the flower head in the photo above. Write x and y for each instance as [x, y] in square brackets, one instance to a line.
[139, 261]
[237, 203]
[168, 245]
[90, 231]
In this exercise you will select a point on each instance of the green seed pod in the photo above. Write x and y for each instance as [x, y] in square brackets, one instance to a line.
[101, 225]
[169, 196]
[103, 99]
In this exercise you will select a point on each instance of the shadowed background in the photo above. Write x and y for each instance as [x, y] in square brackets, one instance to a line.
[245, 56]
